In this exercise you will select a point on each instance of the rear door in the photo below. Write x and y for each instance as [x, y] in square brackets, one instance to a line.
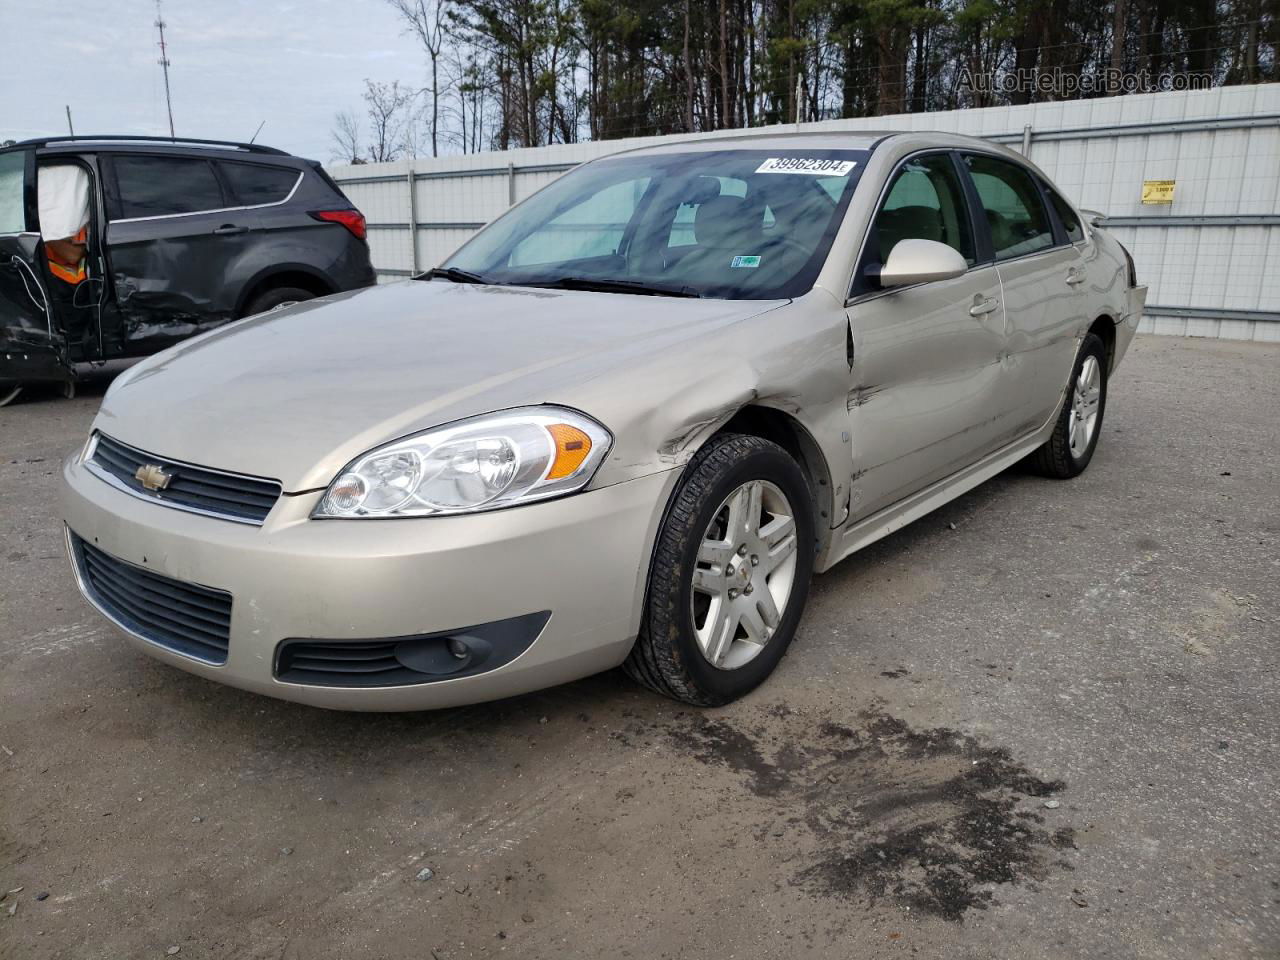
[1039, 274]
[174, 234]
[29, 348]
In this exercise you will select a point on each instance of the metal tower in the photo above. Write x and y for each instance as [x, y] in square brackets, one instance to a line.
[164, 63]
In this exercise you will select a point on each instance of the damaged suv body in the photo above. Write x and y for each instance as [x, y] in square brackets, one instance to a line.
[622, 425]
[116, 247]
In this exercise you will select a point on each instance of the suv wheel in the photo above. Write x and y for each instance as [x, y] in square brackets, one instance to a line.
[730, 574]
[276, 297]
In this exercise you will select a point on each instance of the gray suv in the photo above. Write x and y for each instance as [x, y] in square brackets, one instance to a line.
[145, 242]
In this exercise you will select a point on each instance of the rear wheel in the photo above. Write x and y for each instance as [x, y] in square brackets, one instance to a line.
[9, 394]
[276, 297]
[1069, 449]
[730, 574]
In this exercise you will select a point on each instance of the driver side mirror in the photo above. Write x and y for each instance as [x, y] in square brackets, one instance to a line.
[921, 261]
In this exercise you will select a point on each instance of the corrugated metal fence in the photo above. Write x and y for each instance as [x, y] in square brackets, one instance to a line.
[1212, 257]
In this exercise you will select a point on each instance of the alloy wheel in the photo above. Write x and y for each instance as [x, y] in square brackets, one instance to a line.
[744, 574]
[1086, 398]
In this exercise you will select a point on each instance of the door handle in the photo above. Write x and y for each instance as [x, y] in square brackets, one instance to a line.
[981, 306]
[1074, 277]
[230, 230]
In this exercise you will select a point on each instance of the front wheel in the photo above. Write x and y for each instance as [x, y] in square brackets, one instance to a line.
[1069, 449]
[730, 574]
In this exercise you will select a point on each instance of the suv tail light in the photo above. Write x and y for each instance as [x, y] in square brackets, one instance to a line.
[353, 220]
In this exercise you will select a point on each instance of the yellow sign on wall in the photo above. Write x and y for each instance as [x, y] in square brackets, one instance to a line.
[1157, 191]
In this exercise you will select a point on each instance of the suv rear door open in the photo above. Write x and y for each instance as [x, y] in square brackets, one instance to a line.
[29, 349]
[170, 244]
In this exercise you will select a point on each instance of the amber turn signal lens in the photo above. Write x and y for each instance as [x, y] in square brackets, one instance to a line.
[572, 447]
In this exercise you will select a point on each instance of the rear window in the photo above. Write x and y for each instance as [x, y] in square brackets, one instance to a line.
[1015, 212]
[12, 184]
[255, 184]
[1070, 222]
[161, 186]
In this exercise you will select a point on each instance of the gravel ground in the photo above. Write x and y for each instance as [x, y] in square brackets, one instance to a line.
[1040, 723]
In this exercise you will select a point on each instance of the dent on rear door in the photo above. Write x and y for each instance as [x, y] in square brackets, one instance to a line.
[173, 277]
[1046, 317]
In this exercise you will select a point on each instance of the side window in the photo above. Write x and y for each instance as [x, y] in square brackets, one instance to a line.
[926, 202]
[13, 217]
[593, 227]
[1011, 200]
[1070, 222]
[156, 186]
[254, 184]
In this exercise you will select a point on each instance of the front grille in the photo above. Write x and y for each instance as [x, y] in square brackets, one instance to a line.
[199, 489]
[183, 617]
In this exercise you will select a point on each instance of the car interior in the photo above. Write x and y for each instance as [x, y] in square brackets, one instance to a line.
[69, 252]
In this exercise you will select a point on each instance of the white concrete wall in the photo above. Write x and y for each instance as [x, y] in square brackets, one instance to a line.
[1211, 278]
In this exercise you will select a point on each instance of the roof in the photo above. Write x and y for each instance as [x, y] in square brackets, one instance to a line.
[778, 138]
[770, 139]
[142, 144]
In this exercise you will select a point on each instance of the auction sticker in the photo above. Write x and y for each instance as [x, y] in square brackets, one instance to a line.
[809, 166]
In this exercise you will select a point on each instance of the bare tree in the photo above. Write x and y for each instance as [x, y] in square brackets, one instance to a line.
[388, 108]
[414, 141]
[346, 138]
[426, 19]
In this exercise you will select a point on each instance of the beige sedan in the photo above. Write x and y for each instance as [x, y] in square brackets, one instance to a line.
[623, 425]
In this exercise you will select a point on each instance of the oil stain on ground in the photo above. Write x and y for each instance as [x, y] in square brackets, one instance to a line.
[931, 820]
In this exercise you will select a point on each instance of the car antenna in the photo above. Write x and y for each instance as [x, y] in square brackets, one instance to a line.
[258, 131]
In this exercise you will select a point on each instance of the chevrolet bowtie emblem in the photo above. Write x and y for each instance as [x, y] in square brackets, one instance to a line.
[152, 476]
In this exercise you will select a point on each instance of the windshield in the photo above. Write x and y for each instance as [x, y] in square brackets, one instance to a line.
[731, 224]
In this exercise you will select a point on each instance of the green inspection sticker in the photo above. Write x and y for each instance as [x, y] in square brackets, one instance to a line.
[745, 262]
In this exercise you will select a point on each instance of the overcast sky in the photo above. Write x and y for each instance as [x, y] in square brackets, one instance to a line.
[234, 63]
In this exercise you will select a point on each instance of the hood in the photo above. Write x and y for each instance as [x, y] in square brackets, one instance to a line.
[297, 393]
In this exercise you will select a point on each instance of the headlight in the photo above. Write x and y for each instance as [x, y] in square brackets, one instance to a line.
[484, 463]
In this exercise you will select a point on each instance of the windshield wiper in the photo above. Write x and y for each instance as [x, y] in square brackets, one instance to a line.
[454, 274]
[607, 285]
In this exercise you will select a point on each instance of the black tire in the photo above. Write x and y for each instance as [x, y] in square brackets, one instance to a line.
[1055, 458]
[9, 393]
[666, 657]
[276, 297]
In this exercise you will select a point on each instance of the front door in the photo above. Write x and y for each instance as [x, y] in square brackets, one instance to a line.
[30, 349]
[925, 372]
[171, 235]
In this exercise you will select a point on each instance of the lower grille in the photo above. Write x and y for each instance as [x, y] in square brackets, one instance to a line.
[188, 619]
[368, 664]
[187, 487]
[400, 661]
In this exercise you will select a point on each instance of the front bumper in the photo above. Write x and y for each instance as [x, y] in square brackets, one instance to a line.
[584, 558]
